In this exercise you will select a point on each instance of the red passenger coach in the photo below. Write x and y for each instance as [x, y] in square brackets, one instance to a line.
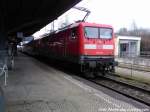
[89, 45]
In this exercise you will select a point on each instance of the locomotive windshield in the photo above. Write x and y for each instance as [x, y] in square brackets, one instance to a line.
[106, 33]
[91, 32]
[95, 32]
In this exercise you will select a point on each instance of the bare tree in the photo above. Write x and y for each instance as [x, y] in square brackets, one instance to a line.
[134, 29]
[141, 32]
[123, 31]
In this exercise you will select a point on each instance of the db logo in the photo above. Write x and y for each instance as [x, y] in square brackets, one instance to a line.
[99, 46]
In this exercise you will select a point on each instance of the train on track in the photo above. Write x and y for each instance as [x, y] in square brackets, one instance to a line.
[89, 45]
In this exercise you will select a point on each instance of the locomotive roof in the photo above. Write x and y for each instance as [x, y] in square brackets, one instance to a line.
[95, 24]
[73, 25]
[83, 24]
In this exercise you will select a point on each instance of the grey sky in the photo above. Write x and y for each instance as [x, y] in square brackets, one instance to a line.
[119, 13]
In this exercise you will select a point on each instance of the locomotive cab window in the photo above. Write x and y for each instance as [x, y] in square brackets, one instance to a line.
[106, 33]
[97, 32]
[91, 32]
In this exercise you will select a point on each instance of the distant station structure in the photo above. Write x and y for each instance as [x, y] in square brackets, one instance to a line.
[127, 46]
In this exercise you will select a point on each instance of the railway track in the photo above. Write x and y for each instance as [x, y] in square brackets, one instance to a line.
[138, 93]
[130, 82]
[135, 92]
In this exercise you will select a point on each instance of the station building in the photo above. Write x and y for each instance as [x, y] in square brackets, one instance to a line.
[127, 46]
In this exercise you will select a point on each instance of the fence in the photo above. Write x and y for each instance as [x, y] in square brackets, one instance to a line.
[126, 54]
[145, 54]
[3, 65]
[135, 61]
[134, 68]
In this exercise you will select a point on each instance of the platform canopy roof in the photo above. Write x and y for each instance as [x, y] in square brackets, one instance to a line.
[28, 16]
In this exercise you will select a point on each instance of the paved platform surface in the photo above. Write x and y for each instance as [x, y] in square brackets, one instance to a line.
[36, 87]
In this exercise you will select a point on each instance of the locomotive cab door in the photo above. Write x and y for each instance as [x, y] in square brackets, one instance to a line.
[72, 44]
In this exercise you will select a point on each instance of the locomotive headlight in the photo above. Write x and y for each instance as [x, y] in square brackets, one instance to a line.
[108, 47]
[90, 46]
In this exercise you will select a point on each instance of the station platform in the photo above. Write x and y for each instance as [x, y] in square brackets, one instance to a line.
[37, 87]
[140, 76]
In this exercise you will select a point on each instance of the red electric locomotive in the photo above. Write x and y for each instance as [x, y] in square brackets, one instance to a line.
[88, 44]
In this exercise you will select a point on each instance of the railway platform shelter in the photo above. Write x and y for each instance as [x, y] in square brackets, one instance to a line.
[127, 46]
[22, 18]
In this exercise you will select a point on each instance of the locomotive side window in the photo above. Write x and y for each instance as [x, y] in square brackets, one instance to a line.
[106, 33]
[91, 32]
[73, 34]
